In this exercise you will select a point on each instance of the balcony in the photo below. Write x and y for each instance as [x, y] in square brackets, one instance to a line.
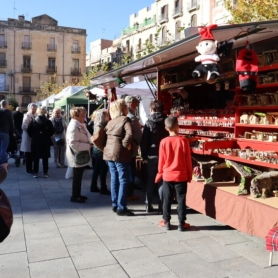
[26, 45]
[25, 69]
[3, 44]
[136, 27]
[28, 90]
[177, 12]
[75, 72]
[5, 89]
[3, 63]
[193, 5]
[76, 49]
[51, 70]
[163, 18]
[52, 47]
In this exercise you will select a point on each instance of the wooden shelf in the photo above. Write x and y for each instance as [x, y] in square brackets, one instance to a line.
[205, 126]
[268, 67]
[265, 107]
[258, 126]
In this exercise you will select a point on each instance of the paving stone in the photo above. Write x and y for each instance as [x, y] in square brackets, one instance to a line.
[139, 262]
[41, 230]
[14, 265]
[107, 271]
[46, 249]
[164, 244]
[54, 269]
[210, 250]
[81, 234]
[190, 265]
[90, 255]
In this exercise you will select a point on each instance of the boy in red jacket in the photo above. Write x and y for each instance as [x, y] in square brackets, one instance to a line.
[175, 168]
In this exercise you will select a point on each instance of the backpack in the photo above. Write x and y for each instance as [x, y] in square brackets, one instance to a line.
[6, 216]
[58, 125]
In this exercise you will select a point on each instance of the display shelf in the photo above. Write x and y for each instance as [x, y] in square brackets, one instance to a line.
[257, 126]
[197, 151]
[206, 126]
[268, 67]
[265, 107]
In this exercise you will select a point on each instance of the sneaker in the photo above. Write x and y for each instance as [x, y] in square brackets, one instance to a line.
[125, 212]
[35, 176]
[133, 198]
[45, 176]
[164, 224]
[183, 226]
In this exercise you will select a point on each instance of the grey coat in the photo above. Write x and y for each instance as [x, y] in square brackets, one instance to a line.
[26, 140]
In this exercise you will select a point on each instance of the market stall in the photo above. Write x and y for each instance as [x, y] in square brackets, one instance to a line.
[231, 116]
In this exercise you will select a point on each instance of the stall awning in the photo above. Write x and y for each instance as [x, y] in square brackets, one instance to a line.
[185, 51]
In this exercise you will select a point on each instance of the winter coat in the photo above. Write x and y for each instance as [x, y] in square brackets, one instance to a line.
[119, 136]
[96, 152]
[26, 140]
[18, 119]
[78, 139]
[6, 121]
[136, 131]
[40, 131]
[61, 135]
[154, 131]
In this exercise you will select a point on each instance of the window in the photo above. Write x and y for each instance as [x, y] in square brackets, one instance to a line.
[2, 41]
[75, 64]
[177, 4]
[75, 46]
[151, 38]
[51, 45]
[26, 62]
[194, 20]
[52, 80]
[177, 30]
[26, 42]
[2, 60]
[26, 100]
[139, 44]
[26, 84]
[108, 59]
[51, 63]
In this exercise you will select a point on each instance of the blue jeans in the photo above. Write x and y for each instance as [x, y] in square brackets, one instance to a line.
[119, 172]
[4, 143]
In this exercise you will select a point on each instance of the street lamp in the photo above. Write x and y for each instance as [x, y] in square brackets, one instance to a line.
[11, 74]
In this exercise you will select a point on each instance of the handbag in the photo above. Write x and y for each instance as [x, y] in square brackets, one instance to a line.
[6, 216]
[58, 139]
[99, 138]
[82, 157]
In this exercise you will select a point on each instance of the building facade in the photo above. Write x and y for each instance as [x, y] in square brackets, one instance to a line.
[161, 24]
[38, 51]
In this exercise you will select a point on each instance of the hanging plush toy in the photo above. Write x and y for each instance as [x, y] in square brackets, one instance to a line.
[247, 69]
[207, 48]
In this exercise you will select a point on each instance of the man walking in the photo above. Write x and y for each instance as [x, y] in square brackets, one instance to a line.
[6, 130]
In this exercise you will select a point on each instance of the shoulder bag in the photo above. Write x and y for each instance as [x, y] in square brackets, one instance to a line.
[6, 216]
[99, 138]
[82, 157]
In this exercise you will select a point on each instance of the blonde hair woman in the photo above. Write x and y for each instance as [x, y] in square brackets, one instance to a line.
[78, 139]
[118, 154]
[40, 130]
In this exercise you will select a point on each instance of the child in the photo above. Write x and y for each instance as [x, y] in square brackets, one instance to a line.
[175, 168]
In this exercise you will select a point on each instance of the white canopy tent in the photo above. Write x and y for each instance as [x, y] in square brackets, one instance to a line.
[140, 89]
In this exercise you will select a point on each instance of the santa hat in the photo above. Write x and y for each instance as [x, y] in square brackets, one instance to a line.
[206, 33]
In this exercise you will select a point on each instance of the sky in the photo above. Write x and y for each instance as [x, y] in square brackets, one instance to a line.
[102, 19]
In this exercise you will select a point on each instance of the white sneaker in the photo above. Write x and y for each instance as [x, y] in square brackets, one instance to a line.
[35, 176]
[45, 176]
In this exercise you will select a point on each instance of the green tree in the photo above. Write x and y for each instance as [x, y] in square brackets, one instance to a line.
[251, 10]
[12, 102]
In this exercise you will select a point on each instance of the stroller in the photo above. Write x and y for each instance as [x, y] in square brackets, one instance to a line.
[13, 148]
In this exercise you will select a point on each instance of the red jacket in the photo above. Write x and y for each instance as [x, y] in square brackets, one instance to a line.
[174, 160]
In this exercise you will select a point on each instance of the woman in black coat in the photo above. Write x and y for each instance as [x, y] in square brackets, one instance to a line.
[40, 130]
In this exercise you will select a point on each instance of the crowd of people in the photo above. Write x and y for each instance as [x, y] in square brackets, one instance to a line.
[166, 153]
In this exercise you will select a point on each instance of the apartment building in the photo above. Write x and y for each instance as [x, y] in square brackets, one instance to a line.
[161, 24]
[38, 51]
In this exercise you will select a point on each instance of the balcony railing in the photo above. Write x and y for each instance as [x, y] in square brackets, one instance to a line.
[75, 72]
[163, 18]
[25, 69]
[3, 44]
[5, 89]
[51, 47]
[145, 23]
[177, 12]
[51, 69]
[75, 49]
[3, 63]
[26, 90]
[26, 45]
[193, 5]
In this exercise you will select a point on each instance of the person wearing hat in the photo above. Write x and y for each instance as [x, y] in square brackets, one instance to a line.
[132, 104]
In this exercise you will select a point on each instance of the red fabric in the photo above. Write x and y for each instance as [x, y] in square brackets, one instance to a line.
[174, 163]
[206, 33]
[272, 240]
